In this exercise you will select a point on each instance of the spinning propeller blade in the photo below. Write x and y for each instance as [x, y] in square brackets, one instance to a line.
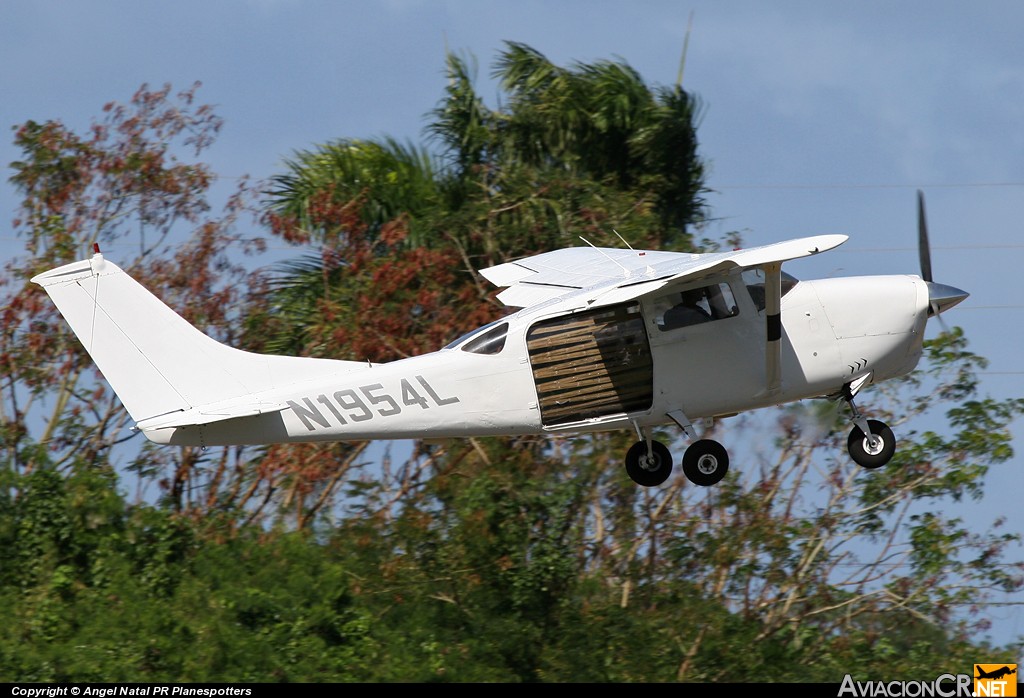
[923, 248]
[940, 296]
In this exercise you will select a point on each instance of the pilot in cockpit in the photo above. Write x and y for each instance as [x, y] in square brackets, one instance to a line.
[689, 311]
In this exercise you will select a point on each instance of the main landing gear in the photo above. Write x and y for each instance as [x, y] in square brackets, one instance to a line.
[649, 463]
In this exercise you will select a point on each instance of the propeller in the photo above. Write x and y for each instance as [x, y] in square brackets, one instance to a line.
[940, 296]
[923, 248]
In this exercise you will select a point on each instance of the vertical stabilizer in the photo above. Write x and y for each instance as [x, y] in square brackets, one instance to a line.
[155, 361]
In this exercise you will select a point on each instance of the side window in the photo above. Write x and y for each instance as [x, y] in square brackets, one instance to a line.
[694, 306]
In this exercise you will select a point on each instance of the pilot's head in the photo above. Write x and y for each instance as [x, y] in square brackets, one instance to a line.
[693, 296]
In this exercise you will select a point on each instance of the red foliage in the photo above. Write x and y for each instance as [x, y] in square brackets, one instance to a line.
[124, 185]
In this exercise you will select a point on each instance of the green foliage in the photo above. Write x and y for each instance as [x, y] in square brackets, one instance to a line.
[94, 590]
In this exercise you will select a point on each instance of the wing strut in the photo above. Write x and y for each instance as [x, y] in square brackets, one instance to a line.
[773, 326]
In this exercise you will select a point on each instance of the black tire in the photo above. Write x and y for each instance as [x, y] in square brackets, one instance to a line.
[648, 471]
[862, 454]
[705, 462]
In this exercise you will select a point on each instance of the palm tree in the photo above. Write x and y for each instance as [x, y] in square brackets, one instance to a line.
[584, 150]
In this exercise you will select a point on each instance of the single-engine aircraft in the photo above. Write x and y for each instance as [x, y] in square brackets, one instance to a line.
[603, 339]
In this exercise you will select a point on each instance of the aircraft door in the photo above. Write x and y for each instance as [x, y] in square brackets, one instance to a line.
[707, 344]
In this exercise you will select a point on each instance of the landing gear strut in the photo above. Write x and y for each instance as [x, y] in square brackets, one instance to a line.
[871, 443]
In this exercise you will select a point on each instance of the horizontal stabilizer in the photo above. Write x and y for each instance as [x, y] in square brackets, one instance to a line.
[207, 415]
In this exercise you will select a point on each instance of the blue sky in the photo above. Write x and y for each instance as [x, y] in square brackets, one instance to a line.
[819, 116]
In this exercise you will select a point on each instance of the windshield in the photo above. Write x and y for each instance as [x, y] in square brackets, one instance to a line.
[489, 339]
[754, 280]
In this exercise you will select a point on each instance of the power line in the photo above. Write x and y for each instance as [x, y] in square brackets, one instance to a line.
[954, 185]
[1001, 246]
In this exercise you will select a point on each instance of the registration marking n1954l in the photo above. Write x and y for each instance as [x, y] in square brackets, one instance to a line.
[366, 402]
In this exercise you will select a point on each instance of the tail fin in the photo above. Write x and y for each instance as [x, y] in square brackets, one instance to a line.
[165, 371]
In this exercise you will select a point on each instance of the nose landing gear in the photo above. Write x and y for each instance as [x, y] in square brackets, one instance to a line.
[871, 443]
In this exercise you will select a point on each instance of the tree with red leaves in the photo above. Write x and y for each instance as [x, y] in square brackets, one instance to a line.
[127, 187]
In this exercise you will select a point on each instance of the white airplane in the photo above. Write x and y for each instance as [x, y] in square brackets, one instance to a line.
[604, 339]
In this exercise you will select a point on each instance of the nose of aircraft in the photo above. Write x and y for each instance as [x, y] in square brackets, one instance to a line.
[942, 297]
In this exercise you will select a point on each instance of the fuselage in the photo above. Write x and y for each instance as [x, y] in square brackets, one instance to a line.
[564, 366]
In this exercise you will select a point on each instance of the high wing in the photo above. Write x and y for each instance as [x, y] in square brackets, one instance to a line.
[592, 277]
[606, 276]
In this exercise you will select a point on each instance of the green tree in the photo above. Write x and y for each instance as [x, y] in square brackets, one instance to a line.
[95, 590]
[583, 151]
[528, 562]
[399, 232]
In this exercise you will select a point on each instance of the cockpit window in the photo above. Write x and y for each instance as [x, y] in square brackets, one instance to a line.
[754, 280]
[490, 341]
[694, 306]
[472, 333]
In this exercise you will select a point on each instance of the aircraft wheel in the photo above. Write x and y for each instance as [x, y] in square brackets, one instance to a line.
[867, 455]
[648, 470]
[705, 462]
